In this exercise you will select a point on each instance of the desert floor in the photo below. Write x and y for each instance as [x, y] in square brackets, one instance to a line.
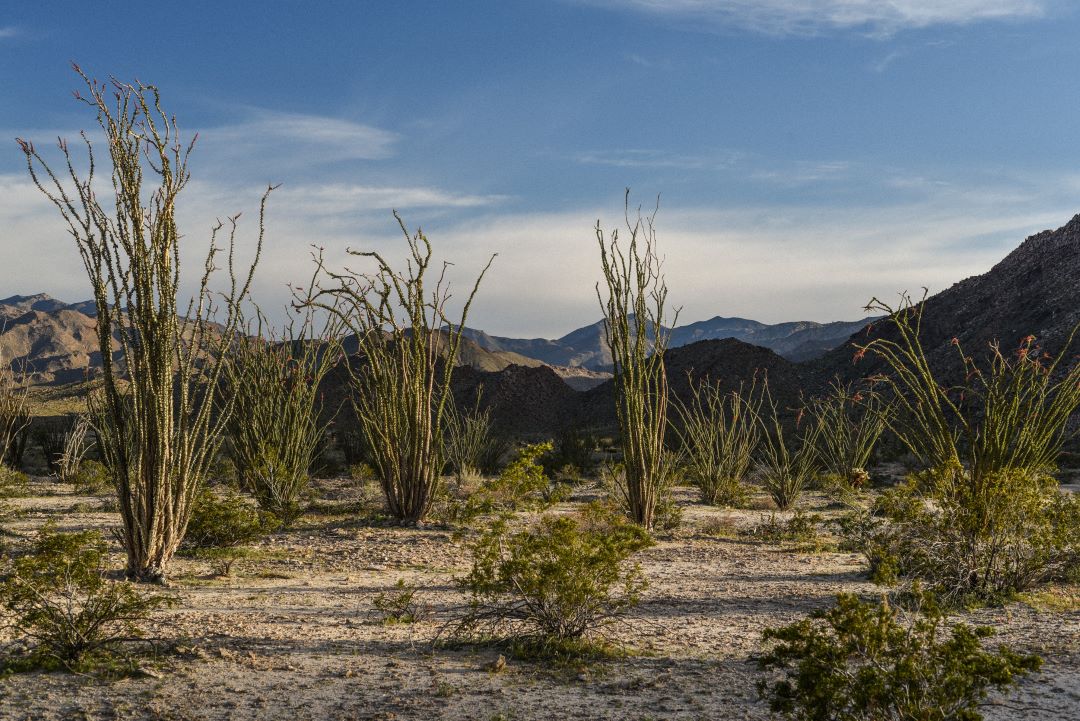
[292, 632]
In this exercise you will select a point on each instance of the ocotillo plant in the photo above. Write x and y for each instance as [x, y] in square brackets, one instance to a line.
[718, 434]
[14, 414]
[634, 331]
[469, 441]
[850, 423]
[76, 446]
[788, 462]
[274, 430]
[159, 433]
[408, 348]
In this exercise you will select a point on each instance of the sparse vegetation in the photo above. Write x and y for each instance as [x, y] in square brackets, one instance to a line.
[866, 661]
[59, 599]
[786, 465]
[562, 578]
[985, 519]
[849, 425]
[401, 605]
[274, 430]
[14, 413]
[471, 445]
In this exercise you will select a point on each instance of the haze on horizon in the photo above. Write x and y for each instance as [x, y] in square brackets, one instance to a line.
[809, 154]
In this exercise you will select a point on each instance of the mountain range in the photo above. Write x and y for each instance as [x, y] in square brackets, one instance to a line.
[539, 386]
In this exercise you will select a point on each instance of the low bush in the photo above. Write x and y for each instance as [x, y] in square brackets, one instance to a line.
[800, 529]
[559, 580]
[58, 598]
[222, 521]
[862, 661]
[92, 479]
[522, 485]
[1008, 544]
[400, 605]
[13, 483]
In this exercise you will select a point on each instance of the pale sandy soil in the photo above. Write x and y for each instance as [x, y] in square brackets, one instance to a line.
[292, 634]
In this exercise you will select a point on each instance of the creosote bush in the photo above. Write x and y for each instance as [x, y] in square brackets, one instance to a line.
[718, 435]
[58, 598]
[560, 579]
[863, 661]
[225, 520]
[522, 485]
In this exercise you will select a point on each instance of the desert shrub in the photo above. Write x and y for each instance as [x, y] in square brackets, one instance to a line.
[274, 430]
[521, 485]
[13, 483]
[225, 520]
[786, 464]
[572, 454]
[558, 580]
[986, 506]
[634, 331]
[76, 446]
[58, 598]
[862, 661]
[850, 423]
[1031, 538]
[718, 434]
[800, 529]
[14, 413]
[92, 479]
[400, 605]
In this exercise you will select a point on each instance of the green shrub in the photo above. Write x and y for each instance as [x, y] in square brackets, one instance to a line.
[558, 580]
[13, 483]
[522, 485]
[800, 529]
[58, 598]
[400, 605]
[1031, 535]
[863, 662]
[222, 521]
[987, 520]
[572, 454]
[92, 479]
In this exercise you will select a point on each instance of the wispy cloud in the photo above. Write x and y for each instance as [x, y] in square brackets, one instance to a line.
[9, 31]
[809, 17]
[317, 138]
[803, 172]
[642, 158]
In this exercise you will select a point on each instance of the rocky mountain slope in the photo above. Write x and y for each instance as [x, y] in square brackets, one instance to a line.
[585, 347]
[1035, 290]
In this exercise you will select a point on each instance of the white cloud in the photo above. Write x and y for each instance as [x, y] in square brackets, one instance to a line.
[809, 17]
[9, 31]
[648, 158]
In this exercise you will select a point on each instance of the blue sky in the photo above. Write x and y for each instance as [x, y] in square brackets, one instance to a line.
[808, 153]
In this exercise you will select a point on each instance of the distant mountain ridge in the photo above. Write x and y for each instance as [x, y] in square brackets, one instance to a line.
[585, 347]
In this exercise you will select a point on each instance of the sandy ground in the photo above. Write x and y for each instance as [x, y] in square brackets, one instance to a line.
[292, 633]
